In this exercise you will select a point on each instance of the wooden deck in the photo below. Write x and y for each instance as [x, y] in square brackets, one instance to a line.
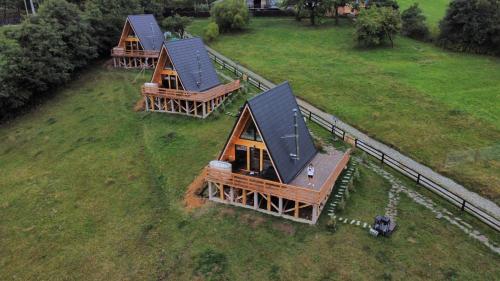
[235, 189]
[121, 52]
[324, 165]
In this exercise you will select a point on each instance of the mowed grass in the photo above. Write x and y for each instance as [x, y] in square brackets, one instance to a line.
[433, 10]
[90, 190]
[428, 103]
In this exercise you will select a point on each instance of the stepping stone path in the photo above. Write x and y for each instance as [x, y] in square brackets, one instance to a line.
[439, 212]
[346, 180]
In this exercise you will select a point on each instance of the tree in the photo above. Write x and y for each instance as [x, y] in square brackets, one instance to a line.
[211, 32]
[414, 23]
[230, 15]
[471, 26]
[176, 24]
[375, 25]
[298, 6]
[106, 18]
[66, 19]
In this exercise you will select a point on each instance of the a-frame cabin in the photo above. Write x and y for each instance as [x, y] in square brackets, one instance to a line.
[185, 81]
[140, 43]
[263, 165]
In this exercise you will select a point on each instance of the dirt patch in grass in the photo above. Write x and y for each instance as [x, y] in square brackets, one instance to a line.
[286, 228]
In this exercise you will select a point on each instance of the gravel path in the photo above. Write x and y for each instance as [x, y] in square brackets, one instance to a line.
[473, 198]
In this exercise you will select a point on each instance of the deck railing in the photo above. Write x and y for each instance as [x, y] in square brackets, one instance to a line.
[194, 96]
[121, 52]
[287, 191]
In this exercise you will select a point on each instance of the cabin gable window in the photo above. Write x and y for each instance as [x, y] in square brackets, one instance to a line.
[250, 132]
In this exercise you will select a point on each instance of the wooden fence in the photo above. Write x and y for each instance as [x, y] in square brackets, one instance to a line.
[420, 179]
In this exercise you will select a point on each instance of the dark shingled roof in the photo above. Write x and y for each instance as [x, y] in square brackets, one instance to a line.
[273, 113]
[189, 56]
[147, 30]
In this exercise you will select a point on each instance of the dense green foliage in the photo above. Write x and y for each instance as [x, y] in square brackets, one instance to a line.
[211, 32]
[424, 101]
[91, 190]
[176, 23]
[413, 23]
[230, 15]
[472, 26]
[47, 48]
[376, 25]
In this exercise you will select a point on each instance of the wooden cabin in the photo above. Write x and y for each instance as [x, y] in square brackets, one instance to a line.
[140, 43]
[263, 165]
[185, 81]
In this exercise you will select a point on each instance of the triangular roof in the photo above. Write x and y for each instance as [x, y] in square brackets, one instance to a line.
[147, 30]
[190, 58]
[273, 114]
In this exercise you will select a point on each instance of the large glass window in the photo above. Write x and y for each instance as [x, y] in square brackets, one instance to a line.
[250, 132]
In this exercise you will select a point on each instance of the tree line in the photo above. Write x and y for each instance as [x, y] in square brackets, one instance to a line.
[48, 48]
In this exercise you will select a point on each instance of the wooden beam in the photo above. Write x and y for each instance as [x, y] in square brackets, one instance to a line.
[296, 209]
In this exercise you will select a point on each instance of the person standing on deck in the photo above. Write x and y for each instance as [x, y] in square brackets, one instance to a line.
[310, 174]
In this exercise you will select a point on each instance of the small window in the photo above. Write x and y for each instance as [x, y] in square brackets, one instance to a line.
[250, 132]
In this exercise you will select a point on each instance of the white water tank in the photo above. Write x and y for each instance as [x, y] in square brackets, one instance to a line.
[221, 165]
[151, 85]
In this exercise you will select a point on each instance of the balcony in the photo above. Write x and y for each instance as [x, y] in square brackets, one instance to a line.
[121, 52]
[328, 167]
[206, 96]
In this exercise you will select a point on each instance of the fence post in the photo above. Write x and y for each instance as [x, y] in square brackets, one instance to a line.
[355, 142]
[259, 85]
[343, 135]
[333, 130]
[310, 115]
[382, 160]
[418, 178]
[463, 206]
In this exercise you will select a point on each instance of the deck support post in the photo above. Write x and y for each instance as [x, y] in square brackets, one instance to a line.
[296, 209]
[244, 197]
[256, 200]
[231, 194]
[280, 205]
[210, 194]
[314, 213]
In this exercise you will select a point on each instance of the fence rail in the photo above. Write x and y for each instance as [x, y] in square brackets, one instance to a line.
[420, 179]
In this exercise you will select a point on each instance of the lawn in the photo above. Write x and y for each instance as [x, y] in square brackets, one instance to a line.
[91, 190]
[434, 10]
[428, 103]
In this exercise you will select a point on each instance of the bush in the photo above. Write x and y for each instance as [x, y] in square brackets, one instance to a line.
[211, 32]
[230, 15]
[414, 23]
[375, 25]
[176, 24]
[471, 26]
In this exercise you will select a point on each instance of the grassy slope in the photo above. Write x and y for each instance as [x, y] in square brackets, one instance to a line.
[90, 190]
[426, 102]
[434, 10]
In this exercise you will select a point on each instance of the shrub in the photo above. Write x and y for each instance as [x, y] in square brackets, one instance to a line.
[230, 15]
[177, 24]
[471, 26]
[211, 32]
[375, 25]
[414, 23]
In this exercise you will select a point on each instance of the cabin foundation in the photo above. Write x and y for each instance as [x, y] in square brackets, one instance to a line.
[265, 203]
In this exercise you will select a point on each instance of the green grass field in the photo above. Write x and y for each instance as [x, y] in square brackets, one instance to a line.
[426, 102]
[434, 10]
[90, 190]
